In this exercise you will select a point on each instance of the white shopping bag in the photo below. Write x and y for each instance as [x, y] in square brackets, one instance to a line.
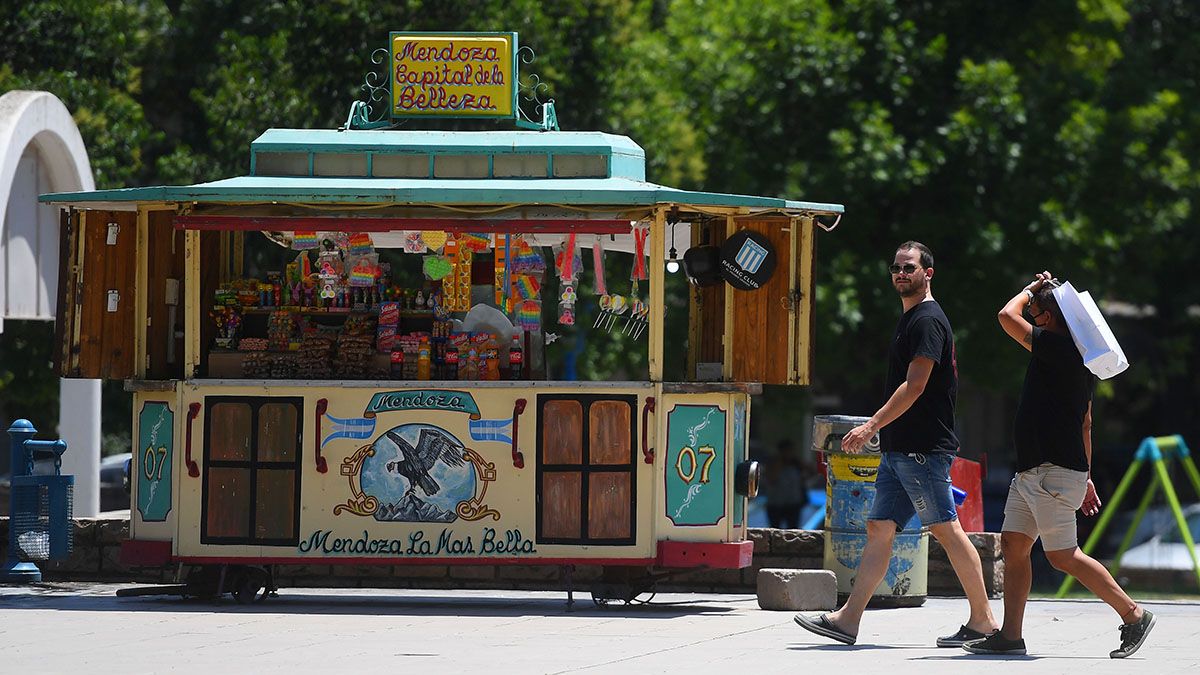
[1093, 338]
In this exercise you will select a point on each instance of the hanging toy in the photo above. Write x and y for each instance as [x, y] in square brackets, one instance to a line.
[365, 271]
[616, 307]
[437, 267]
[360, 244]
[329, 260]
[598, 265]
[568, 270]
[638, 310]
[525, 258]
[456, 286]
[476, 243]
[413, 243]
[604, 300]
[503, 273]
[639, 255]
[525, 287]
[566, 305]
[605, 303]
[529, 316]
[434, 239]
[302, 241]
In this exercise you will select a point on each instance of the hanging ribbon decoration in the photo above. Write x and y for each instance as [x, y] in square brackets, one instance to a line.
[566, 269]
[639, 254]
[598, 264]
[500, 271]
[508, 271]
[567, 274]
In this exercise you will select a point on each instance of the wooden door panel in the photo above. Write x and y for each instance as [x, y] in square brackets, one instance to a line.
[710, 306]
[804, 298]
[562, 432]
[165, 260]
[66, 309]
[97, 342]
[560, 508]
[761, 320]
[610, 503]
[275, 504]
[587, 469]
[228, 506]
[608, 432]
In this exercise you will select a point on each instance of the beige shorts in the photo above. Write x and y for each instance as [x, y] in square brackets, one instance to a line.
[1042, 502]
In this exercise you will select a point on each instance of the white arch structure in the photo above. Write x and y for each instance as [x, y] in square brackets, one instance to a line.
[41, 151]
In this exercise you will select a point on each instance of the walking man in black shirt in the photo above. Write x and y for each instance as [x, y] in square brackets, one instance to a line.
[916, 427]
[1054, 453]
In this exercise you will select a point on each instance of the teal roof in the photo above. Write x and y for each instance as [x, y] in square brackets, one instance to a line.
[425, 192]
[612, 173]
[446, 142]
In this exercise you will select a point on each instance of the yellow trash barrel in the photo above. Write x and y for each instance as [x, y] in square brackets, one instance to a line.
[849, 493]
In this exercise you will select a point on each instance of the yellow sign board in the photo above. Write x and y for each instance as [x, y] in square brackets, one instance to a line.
[466, 75]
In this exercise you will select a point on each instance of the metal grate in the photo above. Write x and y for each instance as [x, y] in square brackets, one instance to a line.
[41, 517]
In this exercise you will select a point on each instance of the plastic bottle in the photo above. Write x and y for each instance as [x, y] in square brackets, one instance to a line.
[493, 364]
[423, 360]
[472, 365]
[516, 358]
[398, 364]
[451, 363]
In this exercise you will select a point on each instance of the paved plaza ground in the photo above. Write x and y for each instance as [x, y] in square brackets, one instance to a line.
[84, 628]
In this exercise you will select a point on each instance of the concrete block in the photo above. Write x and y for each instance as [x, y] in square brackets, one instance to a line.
[111, 531]
[761, 539]
[84, 533]
[800, 543]
[796, 590]
[111, 566]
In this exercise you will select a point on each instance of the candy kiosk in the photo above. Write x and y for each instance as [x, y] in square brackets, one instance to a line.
[340, 358]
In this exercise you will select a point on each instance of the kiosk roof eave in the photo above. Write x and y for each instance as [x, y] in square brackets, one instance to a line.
[360, 192]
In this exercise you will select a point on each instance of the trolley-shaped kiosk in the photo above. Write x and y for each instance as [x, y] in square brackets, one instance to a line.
[342, 357]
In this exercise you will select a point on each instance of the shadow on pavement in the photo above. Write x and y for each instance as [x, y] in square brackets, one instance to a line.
[354, 602]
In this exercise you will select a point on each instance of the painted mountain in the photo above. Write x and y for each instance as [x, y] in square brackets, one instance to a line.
[411, 508]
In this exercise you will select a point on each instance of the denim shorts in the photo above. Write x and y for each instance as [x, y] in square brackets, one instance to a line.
[914, 483]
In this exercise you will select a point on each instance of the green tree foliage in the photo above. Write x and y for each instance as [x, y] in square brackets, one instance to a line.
[1009, 136]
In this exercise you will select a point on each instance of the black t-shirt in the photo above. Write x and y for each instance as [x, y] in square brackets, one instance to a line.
[1054, 400]
[927, 426]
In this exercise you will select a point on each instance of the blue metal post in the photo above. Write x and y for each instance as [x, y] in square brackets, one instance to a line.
[15, 571]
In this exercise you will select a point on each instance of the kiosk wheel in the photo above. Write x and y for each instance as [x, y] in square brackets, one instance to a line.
[248, 582]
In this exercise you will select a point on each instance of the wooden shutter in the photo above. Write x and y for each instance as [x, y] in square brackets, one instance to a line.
[804, 288]
[96, 295]
[763, 329]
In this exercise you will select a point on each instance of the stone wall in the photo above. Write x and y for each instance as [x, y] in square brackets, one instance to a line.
[96, 557]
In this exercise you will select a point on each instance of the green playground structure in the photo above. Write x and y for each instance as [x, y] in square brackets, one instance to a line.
[1159, 452]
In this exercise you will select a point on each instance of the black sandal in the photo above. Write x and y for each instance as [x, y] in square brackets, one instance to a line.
[821, 625]
[962, 637]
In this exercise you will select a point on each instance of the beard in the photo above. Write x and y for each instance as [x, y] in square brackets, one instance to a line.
[914, 287]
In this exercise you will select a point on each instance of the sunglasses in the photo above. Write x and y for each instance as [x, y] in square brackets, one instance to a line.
[907, 268]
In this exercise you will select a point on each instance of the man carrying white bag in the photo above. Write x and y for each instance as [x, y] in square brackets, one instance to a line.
[1069, 346]
[1090, 332]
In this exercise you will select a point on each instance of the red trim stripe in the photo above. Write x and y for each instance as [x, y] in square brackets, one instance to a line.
[314, 560]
